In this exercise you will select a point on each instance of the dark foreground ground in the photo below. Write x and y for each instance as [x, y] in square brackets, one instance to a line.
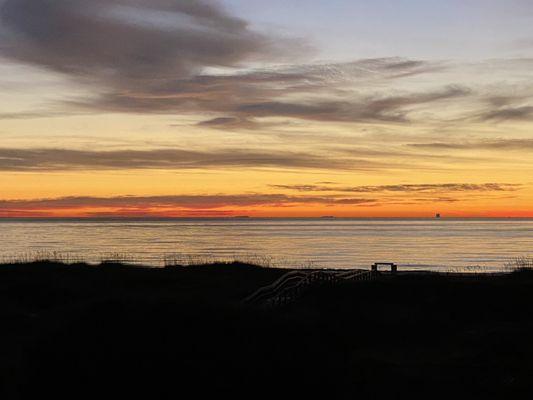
[82, 332]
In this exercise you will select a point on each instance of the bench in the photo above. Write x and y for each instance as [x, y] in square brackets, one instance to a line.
[393, 267]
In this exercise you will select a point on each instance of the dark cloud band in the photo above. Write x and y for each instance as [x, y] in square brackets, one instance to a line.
[28, 160]
[130, 205]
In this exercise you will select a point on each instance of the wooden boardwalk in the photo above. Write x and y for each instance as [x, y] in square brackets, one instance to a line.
[290, 286]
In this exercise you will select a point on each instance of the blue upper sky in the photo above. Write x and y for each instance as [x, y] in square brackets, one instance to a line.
[437, 29]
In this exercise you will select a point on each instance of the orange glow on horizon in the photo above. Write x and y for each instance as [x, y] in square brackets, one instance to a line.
[262, 212]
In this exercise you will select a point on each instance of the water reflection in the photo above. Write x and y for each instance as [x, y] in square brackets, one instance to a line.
[339, 243]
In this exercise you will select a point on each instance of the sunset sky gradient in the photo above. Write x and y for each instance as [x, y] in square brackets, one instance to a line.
[292, 108]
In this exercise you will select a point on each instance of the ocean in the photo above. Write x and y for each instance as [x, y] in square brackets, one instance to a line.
[445, 244]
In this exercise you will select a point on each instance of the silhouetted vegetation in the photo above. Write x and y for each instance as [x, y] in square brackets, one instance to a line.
[520, 264]
[80, 331]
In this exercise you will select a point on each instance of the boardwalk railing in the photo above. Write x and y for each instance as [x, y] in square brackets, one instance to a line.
[291, 285]
[285, 282]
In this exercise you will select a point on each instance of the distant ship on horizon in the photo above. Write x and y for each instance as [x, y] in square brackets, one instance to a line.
[437, 216]
[327, 217]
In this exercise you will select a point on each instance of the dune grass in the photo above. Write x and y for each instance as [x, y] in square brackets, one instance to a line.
[520, 264]
[165, 261]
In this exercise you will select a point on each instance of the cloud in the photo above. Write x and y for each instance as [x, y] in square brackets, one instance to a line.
[165, 205]
[25, 115]
[511, 106]
[524, 113]
[407, 188]
[487, 144]
[135, 54]
[436, 200]
[240, 100]
[27, 160]
[230, 123]
[239, 204]
[127, 43]
[355, 109]
[152, 56]
[221, 121]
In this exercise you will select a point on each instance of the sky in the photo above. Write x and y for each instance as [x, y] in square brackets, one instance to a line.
[198, 108]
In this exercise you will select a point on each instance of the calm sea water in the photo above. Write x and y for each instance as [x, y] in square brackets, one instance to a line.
[336, 243]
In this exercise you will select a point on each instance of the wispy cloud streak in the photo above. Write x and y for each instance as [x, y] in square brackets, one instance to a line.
[484, 144]
[407, 188]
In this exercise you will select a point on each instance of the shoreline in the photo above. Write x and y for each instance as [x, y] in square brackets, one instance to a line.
[137, 264]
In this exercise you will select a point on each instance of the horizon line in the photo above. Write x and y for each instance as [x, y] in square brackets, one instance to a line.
[110, 218]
